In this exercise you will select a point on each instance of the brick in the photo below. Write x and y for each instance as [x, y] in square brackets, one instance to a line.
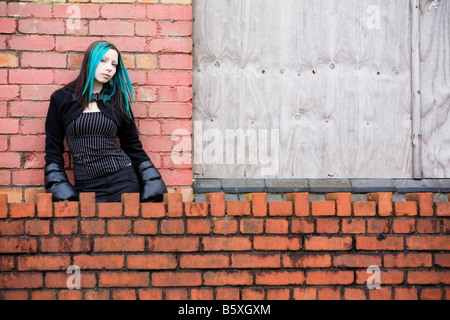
[124, 279]
[343, 203]
[87, 205]
[124, 294]
[3, 206]
[405, 294]
[131, 205]
[384, 202]
[428, 226]
[217, 204]
[353, 226]
[428, 277]
[152, 262]
[22, 210]
[44, 205]
[43, 262]
[443, 209]
[153, 210]
[377, 226]
[15, 295]
[65, 227]
[196, 209]
[66, 244]
[228, 226]
[356, 260]
[301, 203]
[259, 203]
[277, 226]
[323, 208]
[354, 294]
[253, 294]
[403, 225]
[37, 228]
[327, 226]
[150, 294]
[144, 227]
[405, 208]
[99, 262]
[238, 208]
[226, 244]
[199, 226]
[427, 243]
[329, 277]
[372, 243]
[407, 260]
[176, 294]
[118, 244]
[302, 226]
[97, 227]
[18, 245]
[442, 259]
[277, 243]
[119, 227]
[172, 244]
[211, 261]
[387, 277]
[277, 278]
[11, 228]
[381, 294]
[22, 280]
[176, 279]
[328, 243]
[258, 261]
[65, 209]
[111, 28]
[227, 278]
[252, 226]
[303, 260]
[305, 293]
[425, 202]
[329, 294]
[431, 294]
[172, 227]
[174, 204]
[109, 210]
[364, 209]
[280, 208]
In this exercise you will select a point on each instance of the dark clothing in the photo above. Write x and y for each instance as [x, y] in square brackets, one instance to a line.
[92, 140]
[109, 188]
[63, 109]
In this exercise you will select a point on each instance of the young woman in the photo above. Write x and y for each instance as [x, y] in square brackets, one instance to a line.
[91, 113]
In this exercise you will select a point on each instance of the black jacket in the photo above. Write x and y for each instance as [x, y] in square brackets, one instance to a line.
[62, 110]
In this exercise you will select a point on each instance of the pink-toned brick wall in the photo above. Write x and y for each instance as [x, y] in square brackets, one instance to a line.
[41, 49]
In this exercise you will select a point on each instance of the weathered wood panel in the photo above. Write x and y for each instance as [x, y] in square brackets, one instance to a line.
[332, 76]
[435, 88]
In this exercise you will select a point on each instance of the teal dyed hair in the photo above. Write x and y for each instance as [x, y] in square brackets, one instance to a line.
[120, 81]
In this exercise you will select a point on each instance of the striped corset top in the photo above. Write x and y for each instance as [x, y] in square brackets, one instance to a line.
[92, 139]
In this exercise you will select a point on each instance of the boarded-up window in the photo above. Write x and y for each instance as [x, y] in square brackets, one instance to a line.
[318, 89]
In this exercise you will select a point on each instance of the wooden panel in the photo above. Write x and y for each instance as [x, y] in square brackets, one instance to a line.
[435, 88]
[332, 77]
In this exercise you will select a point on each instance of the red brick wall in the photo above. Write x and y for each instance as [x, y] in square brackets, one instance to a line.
[297, 249]
[41, 49]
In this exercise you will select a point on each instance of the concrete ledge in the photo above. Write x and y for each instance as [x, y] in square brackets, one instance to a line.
[239, 186]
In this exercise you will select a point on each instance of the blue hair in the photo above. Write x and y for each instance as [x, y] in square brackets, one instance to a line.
[120, 81]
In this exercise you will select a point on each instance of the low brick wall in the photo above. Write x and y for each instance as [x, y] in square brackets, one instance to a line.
[217, 249]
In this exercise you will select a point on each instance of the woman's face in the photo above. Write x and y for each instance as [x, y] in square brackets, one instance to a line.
[106, 69]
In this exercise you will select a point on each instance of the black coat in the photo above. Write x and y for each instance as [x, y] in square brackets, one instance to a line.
[63, 109]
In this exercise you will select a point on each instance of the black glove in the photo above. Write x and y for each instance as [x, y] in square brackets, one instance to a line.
[57, 183]
[153, 187]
